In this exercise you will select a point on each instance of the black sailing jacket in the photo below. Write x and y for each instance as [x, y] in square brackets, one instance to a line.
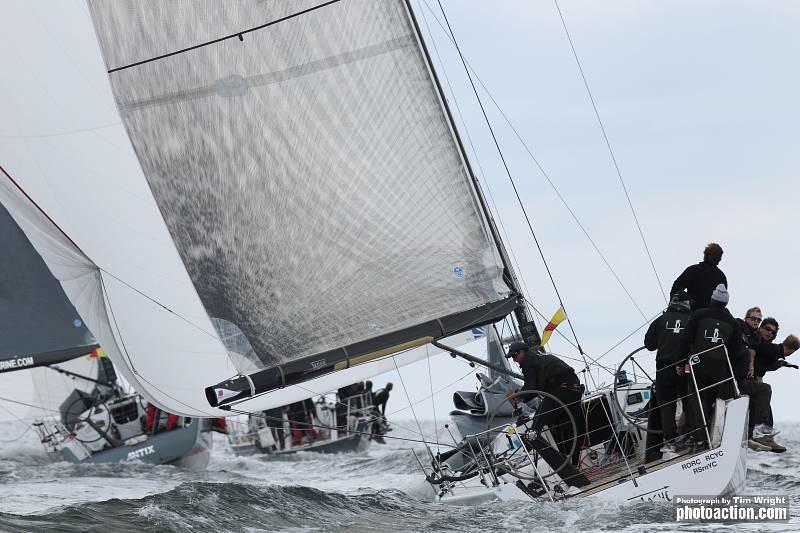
[543, 371]
[664, 335]
[711, 327]
[700, 280]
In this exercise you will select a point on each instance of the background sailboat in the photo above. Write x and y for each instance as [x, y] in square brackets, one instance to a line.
[56, 379]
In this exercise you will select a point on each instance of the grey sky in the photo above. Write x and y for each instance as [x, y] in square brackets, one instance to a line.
[699, 103]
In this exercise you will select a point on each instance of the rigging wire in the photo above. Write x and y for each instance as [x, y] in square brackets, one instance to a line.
[237, 35]
[433, 398]
[15, 439]
[20, 420]
[63, 133]
[405, 390]
[496, 213]
[462, 378]
[508, 173]
[629, 335]
[610, 151]
[544, 173]
[29, 405]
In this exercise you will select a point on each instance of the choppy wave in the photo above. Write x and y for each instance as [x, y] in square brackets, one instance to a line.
[375, 491]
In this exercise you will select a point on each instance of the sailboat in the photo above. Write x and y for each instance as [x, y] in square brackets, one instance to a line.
[338, 422]
[57, 380]
[286, 205]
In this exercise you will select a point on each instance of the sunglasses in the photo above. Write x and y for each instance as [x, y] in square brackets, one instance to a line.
[756, 318]
[770, 330]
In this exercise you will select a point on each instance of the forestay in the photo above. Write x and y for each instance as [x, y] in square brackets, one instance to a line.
[300, 185]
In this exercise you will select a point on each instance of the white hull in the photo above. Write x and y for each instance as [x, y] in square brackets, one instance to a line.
[719, 471]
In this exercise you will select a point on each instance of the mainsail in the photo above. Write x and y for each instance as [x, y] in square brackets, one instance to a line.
[287, 205]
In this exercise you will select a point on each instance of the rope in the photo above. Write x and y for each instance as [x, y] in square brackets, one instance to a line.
[610, 151]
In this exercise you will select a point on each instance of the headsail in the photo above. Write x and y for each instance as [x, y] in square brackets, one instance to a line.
[310, 180]
[38, 324]
[39, 327]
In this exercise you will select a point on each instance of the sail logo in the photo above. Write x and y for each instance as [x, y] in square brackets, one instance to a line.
[715, 338]
[141, 452]
[676, 327]
[458, 272]
[17, 362]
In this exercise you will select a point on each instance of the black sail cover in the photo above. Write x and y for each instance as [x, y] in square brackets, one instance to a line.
[38, 324]
[308, 174]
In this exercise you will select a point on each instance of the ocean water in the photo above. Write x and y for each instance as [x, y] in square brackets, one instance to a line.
[379, 490]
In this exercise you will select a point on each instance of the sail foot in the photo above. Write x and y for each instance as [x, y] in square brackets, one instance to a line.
[307, 368]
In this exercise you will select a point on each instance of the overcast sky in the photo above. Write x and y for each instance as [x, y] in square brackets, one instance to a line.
[699, 101]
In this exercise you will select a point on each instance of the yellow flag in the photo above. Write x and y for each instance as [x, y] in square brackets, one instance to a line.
[557, 319]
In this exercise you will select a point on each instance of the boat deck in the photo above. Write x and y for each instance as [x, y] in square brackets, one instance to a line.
[619, 472]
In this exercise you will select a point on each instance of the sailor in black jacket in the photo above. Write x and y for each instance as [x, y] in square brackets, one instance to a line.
[546, 372]
[664, 335]
[707, 331]
[700, 280]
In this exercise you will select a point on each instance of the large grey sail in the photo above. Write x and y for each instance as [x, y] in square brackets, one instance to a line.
[306, 171]
[38, 324]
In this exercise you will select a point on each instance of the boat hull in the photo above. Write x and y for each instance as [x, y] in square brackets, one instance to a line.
[188, 447]
[355, 442]
[719, 471]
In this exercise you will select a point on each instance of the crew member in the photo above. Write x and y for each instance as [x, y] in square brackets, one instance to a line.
[381, 397]
[274, 420]
[343, 398]
[760, 393]
[770, 357]
[708, 330]
[547, 373]
[701, 279]
[664, 335]
[750, 324]
[301, 421]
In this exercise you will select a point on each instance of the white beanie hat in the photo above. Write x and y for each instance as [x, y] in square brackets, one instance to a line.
[720, 294]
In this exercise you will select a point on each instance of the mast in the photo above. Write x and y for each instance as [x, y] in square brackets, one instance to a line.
[528, 330]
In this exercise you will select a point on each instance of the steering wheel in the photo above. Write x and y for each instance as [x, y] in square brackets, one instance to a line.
[636, 421]
[86, 418]
[531, 434]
